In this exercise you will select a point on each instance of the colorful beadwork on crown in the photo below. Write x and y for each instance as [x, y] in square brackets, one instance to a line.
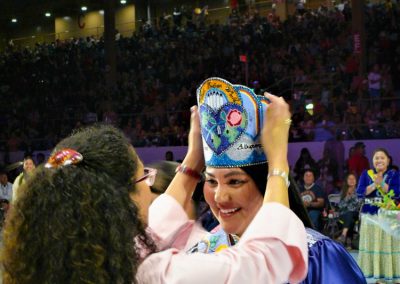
[221, 128]
[231, 120]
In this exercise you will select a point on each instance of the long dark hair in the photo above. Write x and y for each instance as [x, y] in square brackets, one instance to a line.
[259, 174]
[345, 187]
[77, 223]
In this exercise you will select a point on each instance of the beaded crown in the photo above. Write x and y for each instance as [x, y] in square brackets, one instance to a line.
[231, 118]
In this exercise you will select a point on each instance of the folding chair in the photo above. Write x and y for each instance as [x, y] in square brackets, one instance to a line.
[332, 223]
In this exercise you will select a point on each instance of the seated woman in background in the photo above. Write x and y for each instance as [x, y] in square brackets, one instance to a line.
[349, 207]
[235, 189]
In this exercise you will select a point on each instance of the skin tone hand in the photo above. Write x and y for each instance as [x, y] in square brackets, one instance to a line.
[183, 186]
[195, 157]
[275, 135]
[377, 183]
[378, 180]
[319, 203]
[370, 188]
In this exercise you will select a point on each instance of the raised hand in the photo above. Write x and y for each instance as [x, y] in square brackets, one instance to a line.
[275, 133]
[195, 156]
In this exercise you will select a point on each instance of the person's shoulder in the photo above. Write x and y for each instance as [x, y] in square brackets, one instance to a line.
[393, 173]
[365, 173]
[317, 187]
[317, 239]
[321, 249]
[313, 237]
[20, 176]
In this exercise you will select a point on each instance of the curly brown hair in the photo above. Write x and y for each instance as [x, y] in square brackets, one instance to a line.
[77, 224]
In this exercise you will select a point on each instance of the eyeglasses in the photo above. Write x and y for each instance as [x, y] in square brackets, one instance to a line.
[149, 176]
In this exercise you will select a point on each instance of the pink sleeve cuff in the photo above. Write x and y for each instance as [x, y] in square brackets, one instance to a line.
[170, 223]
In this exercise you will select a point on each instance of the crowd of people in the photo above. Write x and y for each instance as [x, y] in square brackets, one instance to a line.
[114, 220]
[309, 59]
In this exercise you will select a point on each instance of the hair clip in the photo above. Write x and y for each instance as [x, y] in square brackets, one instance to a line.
[64, 157]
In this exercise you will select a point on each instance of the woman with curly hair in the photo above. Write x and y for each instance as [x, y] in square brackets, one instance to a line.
[74, 221]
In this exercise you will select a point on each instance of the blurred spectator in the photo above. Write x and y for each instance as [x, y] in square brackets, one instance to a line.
[40, 158]
[328, 172]
[28, 168]
[6, 187]
[313, 198]
[303, 163]
[169, 156]
[374, 82]
[349, 207]
[324, 128]
[346, 162]
[336, 151]
[357, 163]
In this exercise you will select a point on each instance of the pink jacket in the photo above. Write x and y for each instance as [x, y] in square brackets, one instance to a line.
[272, 250]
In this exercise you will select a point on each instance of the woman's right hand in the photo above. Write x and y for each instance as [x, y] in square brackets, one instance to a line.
[275, 136]
[195, 158]
[275, 133]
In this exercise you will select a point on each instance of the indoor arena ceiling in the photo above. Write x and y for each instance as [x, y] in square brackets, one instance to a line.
[37, 8]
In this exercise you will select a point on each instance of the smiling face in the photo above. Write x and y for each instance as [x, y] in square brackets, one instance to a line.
[3, 179]
[351, 180]
[380, 161]
[351, 183]
[233, 198]
[308, 178]
[29, 165]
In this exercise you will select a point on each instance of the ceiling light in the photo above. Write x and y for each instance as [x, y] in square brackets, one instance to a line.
[67, 18]
[47, 14]
[83, 8]
[101, 12]
[123, 2]
[14, 20]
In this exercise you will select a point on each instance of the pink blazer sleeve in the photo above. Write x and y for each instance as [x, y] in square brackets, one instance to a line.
[171, 227]
[272, 250]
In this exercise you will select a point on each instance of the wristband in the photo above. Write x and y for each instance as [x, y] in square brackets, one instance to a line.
[188, 171]
[279, 173]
